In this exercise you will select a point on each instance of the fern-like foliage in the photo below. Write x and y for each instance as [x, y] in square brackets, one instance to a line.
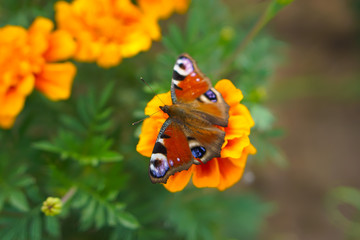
[83, 138]
[101, 210]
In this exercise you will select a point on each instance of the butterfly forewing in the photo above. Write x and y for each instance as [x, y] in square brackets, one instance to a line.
[189, 85]
[171, 153]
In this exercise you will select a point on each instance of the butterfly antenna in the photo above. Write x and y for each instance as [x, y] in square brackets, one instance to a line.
[152, 90]
[139, 121]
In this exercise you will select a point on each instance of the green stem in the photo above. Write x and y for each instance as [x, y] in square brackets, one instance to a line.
[271, 11]
[226, 66]
[68, 195]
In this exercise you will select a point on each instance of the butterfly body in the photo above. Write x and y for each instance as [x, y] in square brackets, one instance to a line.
[189, 136]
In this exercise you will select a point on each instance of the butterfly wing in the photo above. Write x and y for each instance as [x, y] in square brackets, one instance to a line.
[190, 86]
[171, 153]
[189, 135]
[204, 139]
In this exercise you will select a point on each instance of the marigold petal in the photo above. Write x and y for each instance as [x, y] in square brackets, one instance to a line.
[61, 46]
[26, 85]
[55, 81]
[229, 173]
[65, 19]
[6, 122]
[152, 27]
[149, 131]
[153, 106]
[242, 110]
[39, 33]
[157, 8]
[234, 147]
[231, 94]
[87, 50]
[10, 34]
[238, 126]
[135, 43]
[11, 103]
[206, 175]
[241, 162]
[110, 56]
[41, 25]
[179, 180]
[181, 6]
[231, 169]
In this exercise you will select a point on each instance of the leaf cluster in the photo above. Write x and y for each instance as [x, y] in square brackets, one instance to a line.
[86, 145]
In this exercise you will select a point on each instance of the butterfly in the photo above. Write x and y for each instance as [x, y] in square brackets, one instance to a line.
[189, 136]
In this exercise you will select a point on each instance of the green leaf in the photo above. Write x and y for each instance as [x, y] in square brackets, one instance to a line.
[275, 7]
[52, 226]
[82, 106]
[24, 181]
[72, 123]
[127, 220]
[100, 217]
[80, 200]
[18, 200]
[111, 218]
[35, 228]
[88, 214]
[110, 156]
[46, 146]
[106, 94]
[263, 118]
[2, 200]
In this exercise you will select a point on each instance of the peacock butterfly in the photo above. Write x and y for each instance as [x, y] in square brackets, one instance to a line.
[189, 136]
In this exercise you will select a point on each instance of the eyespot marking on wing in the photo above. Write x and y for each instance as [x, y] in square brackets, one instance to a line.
[158, 165]
[177, 76]
[198, 151]
[164, 136]
[183, 67]
[177, 87]
[211, 95]
[159, 148]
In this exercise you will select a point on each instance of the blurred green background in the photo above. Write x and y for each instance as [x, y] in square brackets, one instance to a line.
[300, 77]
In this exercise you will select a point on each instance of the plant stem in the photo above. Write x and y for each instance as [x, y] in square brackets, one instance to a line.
[69, 195]
[226, 66]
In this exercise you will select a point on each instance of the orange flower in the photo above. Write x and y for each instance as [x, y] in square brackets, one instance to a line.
[26, 61]
[106, 30]
[219, 172]
[161, 9]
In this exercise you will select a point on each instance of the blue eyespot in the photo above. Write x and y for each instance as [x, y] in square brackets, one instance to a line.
[198, 152]
[211, 95]
[158, 168]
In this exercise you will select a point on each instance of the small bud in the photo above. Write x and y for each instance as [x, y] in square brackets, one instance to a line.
[261, 92]
[227, 33]
[284, 2]
[52, 206]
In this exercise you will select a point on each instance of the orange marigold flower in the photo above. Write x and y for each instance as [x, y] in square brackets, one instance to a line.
[27, 60]
[106, 30]
[161, 9]
[220, 172]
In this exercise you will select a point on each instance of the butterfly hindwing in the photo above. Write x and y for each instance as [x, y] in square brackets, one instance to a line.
[204, 139]
[171, 153]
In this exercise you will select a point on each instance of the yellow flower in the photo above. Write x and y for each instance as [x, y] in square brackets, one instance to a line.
[27, 60]
[52, 206]
[161, 9]
[106, 30]
[220, 172]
